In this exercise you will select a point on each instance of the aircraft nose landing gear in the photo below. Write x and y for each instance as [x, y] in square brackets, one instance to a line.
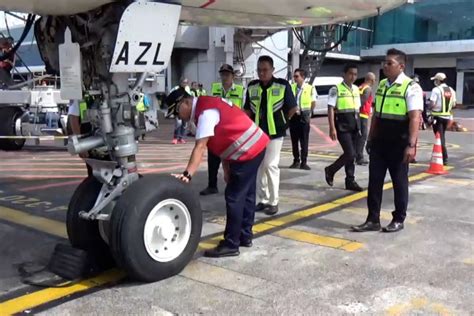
[150, 225]
[153, 231]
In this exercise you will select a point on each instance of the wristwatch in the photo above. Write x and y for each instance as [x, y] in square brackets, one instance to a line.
[187, 175]
[411, 145]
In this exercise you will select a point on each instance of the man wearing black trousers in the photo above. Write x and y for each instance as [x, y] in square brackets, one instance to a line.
[230, 134]
[343, 116]
[305, 96]
[234, 93]
[392, 140]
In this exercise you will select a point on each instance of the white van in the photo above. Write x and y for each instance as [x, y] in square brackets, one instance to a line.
[323, 85]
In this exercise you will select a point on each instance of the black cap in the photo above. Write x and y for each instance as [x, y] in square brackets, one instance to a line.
[173, 99]
[227, 68]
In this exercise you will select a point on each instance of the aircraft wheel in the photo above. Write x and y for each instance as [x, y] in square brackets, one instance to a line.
[82, 233]
[155, 228]
[8, 119]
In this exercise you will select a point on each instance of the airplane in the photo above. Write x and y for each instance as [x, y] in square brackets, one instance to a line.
[150, 225]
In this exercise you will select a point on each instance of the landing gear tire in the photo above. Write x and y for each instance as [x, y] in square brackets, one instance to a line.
[8, 120]
[155, 228]
[82, 233]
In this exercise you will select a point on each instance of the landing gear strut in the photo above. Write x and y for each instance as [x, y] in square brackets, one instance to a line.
[150, 225]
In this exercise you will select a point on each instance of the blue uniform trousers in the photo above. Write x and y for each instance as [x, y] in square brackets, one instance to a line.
[240, 200]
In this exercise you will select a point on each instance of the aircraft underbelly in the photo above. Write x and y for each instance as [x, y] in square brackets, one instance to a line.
[242, 13]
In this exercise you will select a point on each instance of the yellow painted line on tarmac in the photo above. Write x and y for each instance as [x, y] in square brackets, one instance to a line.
[417, 164]
[209, 243]
[293, 234]
[320, 240]
[440, 309]
[41, 297]
[34, 299]
[469, 261]
[419, 305]
[333, 157]
[400, 309]
[287, 220]
[46, 225]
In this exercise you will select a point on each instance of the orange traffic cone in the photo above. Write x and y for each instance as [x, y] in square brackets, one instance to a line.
[436, 165]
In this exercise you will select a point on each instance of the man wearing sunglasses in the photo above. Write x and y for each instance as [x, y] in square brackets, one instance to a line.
[305, 95]
[392, 140]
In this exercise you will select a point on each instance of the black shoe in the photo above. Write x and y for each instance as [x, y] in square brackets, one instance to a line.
[353, 186]
[271, 209]
[304, 166]
[393, 227]
[329, 176]
[413, 161]
[222, 250]
[246, 243]
[295, 164]
[362, 162]
[367, 227]
[208, 191]
[445, 163]
[261, 207]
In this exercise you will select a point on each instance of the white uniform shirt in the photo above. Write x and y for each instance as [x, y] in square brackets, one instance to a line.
[73, 108]
[332, 97]
[207, 121]
[414, 95]
[437, 98]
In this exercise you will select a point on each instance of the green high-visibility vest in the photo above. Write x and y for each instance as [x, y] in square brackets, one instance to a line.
[202, 92]
[446, 102]
[346, 99]
[83, 111]
[234, 95]
[275, 100]
[141, 103]
[390, 102]
[305, 96]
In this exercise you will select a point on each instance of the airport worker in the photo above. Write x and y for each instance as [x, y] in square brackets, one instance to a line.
[179, 126]
[442, 101]
[392, 140]
[271, 104]
[343, 117]
[366, 100]
[306, 96]
[230, 134]
[234, 93]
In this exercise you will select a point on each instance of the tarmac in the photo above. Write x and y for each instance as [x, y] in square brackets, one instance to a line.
[305, 259]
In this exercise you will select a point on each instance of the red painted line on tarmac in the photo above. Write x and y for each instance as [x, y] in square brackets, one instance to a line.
[51, 185]
[44, 169]
[40, 163]
[208, 3]
[42, 176]
[328, 140]
[158, 170]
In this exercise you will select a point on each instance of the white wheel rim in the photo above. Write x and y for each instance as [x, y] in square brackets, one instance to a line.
[167, 230]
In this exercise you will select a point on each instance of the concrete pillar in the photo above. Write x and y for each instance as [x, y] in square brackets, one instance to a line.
[229, 46]
[168, 78]
[459, 87]
[410, 66]
[295, 53]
